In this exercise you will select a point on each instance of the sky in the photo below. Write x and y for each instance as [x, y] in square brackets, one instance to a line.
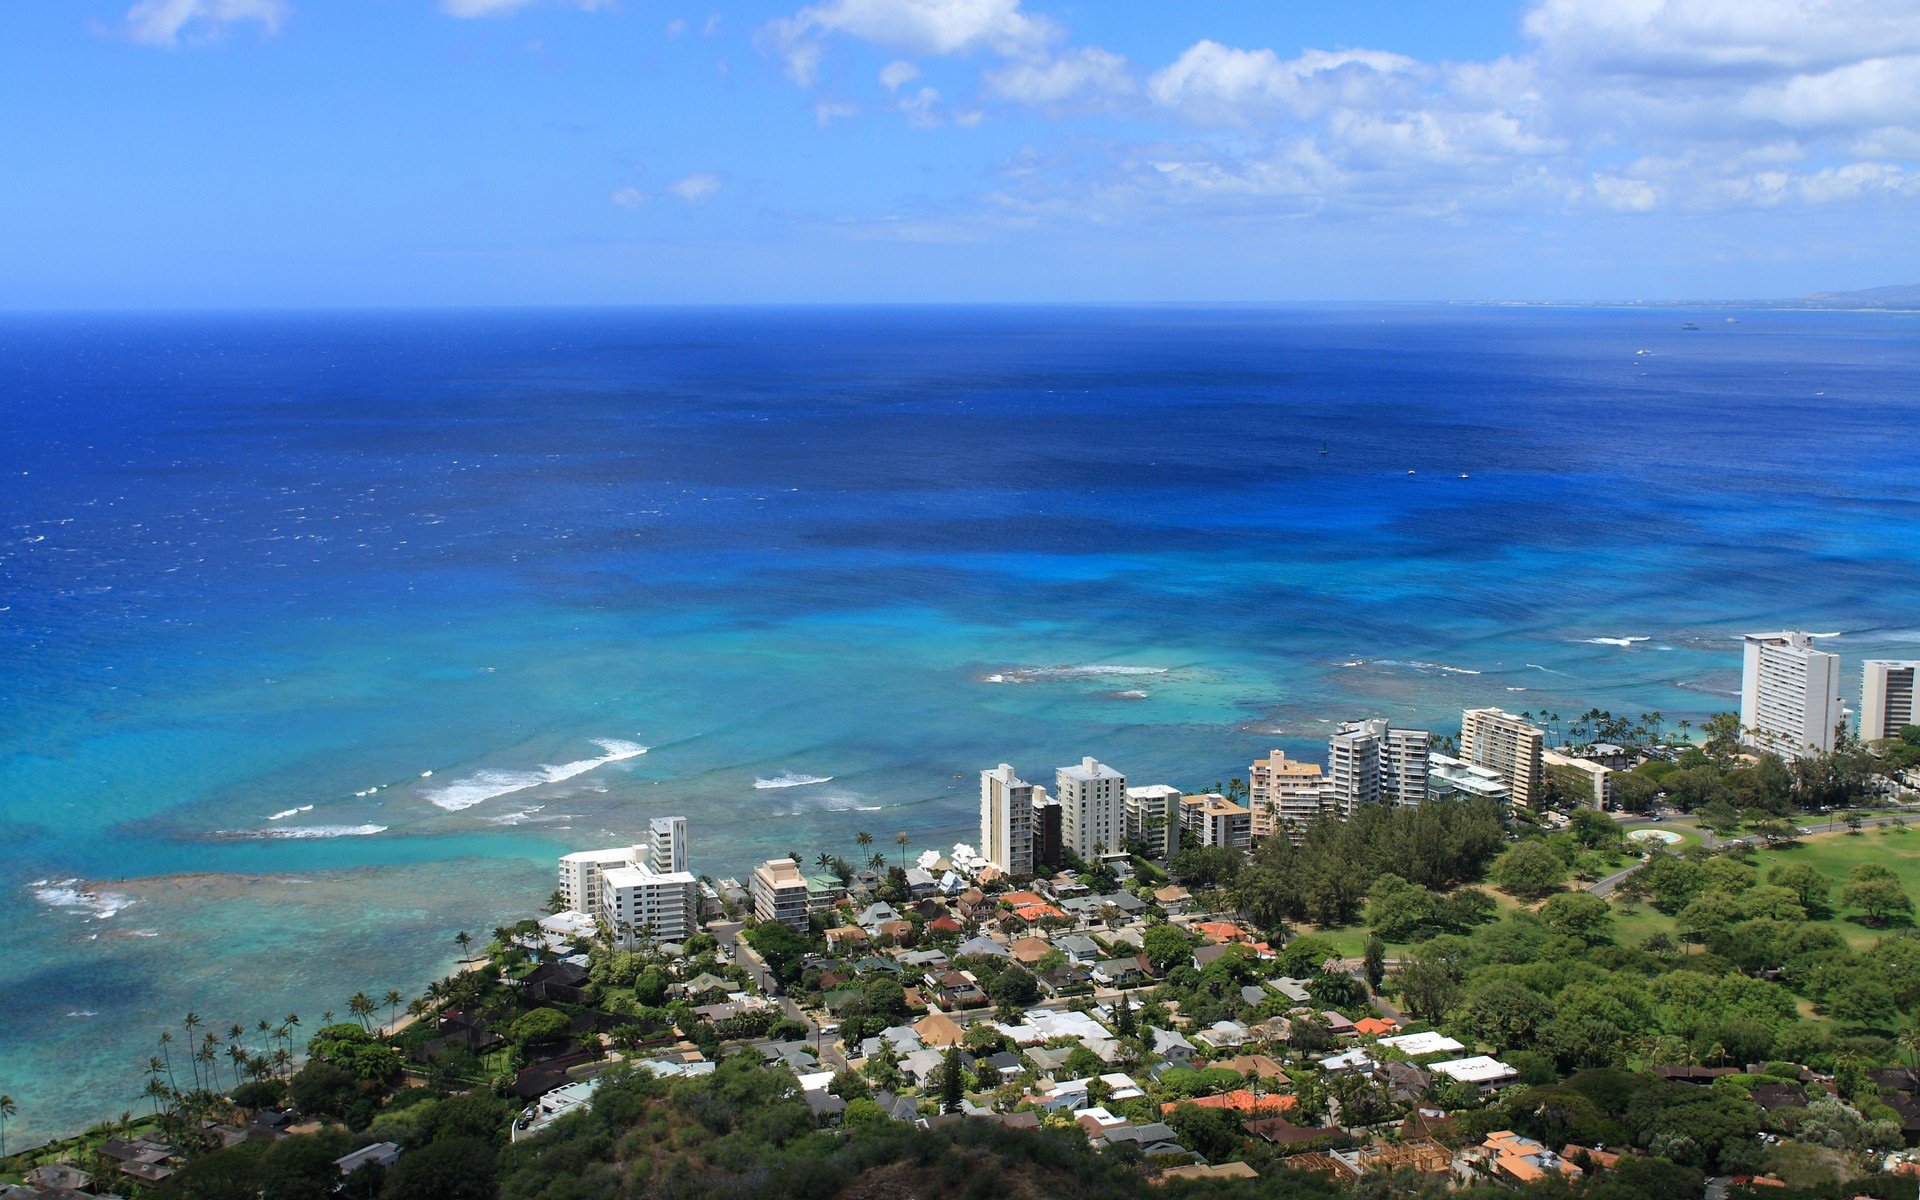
[272, 153]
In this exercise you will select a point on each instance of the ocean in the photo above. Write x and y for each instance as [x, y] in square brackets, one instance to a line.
[321, 635]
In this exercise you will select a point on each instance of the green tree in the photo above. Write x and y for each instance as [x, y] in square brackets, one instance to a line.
[1876, 891]
[1375, 962]
[952, 1081]
[1809, 885]
[8, 1108]
[452, 1169]
[1397, 909]
[1580, 915]
[1530, 869]
[539, 1027]
[1166, 946]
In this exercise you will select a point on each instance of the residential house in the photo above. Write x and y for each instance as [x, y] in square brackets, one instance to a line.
[1171, 1046]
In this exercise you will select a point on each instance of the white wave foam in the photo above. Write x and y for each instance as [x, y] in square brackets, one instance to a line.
[1086, 671]
[1623, 642]
[290, 812]
[1420, 665]
[487, 785]
[1132, 694]
[68, 894]
[787, 781]
[307, 831]
[83, 1012]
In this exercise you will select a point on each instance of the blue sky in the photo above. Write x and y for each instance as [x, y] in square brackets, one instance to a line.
[373, 152]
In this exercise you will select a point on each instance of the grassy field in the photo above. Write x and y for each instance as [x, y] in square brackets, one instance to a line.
[1352, 939]
[1834, 855]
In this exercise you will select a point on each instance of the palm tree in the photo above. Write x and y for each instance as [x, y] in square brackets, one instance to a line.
[1909, 1040]
[878, 860]
[463, 939]
[901, 840]
[393, 1006]
[326, 1018]
[7, 1109]
[166, 1043]
[823, 860]
[360, 1005]
[863, 839]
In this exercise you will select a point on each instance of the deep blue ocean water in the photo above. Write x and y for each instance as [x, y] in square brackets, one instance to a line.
[252, 564]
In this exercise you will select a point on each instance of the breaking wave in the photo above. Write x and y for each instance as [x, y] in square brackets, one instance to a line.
[787, 781]
[482, 786]
[67, 894]
[1050, 674]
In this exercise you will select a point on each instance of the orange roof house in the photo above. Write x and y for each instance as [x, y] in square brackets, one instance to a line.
[1222, 931]
[1376, 1026]
[1022, 899]
[1239, 1100]
[1033, 913]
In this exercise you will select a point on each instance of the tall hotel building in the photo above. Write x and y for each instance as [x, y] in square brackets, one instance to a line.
[1886, 697]
[1371, 762]
[1093, 808]
[1789, 694]
[1006, 820]
[1502, 743]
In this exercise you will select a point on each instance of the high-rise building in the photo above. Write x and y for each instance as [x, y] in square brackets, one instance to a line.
[779, 893]
[1371, 762]
[1153, 812]
[1006, 820]
[1509, 747]
[1886, 697]
[1047, 844]
[667, 844]
[1449, 778]
[637, 891]
[1284, 795]
[1093, 808]
[1215, 820]
[1789, 694]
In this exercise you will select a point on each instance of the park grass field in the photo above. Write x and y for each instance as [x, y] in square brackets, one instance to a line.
[1834, 855]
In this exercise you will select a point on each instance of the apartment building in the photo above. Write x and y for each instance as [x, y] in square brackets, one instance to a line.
[1006, 820]
[1500, 742]
[1215, 820]
[1093, 808]
[779, 892]
[1886, 697]
[1048, 846]
[1450, 778]
[1153, 813]
[1371, 762]
[1285, 794]
[642, 890]
[1789, 694]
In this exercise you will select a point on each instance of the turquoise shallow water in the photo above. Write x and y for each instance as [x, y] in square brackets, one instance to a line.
[252, 565]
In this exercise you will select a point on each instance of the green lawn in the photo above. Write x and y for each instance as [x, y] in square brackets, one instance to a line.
[1834, 855]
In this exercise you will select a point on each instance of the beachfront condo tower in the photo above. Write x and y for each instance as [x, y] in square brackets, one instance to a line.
[1789, 694]
[1214, 820]
[1886, 697]
[1152, 814]
[1500, 742]
[637, 891]
[1286, 795]
[779, 893]
[667, 844]
[1371, 762]
[1006, 820]
[1093, 808]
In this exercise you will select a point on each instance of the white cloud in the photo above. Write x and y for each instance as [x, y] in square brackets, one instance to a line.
[930, 27]
[165, 22]
[697, 187]
[827, 112]
[628, 197]
[896, 73]
[502, 8]
[1624, 194]
[1085, 75]
[1216, 84]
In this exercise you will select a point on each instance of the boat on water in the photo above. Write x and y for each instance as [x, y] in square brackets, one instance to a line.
[1323, 447]
[1688, 325]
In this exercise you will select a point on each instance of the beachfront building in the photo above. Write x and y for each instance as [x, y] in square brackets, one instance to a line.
[1450, 778]
[779, 893]
[1215, 820]
[636, 891]
[638, 902]
[1153, 812]
[1047, 844]
[1285, 794]
[1093, 808]
[1599, 775]
[1006, 820]
[1789, 694]
[1371, 762]
[667, 844]
[1886, 697]
[1504, 744]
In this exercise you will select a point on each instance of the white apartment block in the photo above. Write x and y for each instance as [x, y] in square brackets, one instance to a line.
[637, 890]
[1006, 820]
[1371, 762]
[1789, 694]
[1153, 812]
[779, 893]
[1509, 747]
[1599, 776]
[1284, 794]
[1093, 808]
[1449, 778]
[1886, 697]
[1215, 820]
[667, 844]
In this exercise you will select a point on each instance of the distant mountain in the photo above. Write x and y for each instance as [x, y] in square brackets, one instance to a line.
[1906, 296]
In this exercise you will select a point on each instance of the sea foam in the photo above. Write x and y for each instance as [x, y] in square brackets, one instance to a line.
[486, 785]
[68, 894]
[1088, 671]
[306, 831]
[1622, 642]
[787, 781]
